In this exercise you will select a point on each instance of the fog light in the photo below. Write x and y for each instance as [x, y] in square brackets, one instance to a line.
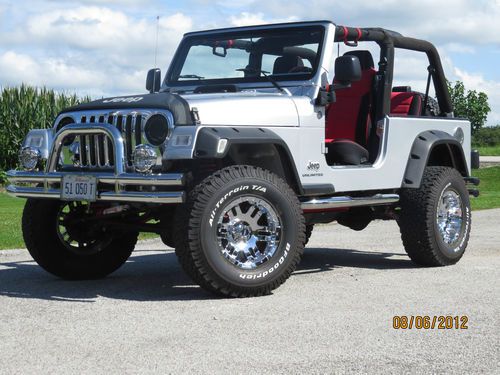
[29, 158]
[144, 158]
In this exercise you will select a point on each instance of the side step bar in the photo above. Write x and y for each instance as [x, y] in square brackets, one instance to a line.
[323, 204]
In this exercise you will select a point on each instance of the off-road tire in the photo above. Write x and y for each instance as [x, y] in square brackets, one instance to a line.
[196, 232]
[418, 218]
[41, 239]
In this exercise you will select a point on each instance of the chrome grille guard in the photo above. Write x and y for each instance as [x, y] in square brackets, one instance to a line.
[46, 182]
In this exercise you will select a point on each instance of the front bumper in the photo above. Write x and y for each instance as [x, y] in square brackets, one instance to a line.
[119, 186]
[110, 187]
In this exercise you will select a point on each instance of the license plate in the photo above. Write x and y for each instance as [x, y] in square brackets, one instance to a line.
[78, 188]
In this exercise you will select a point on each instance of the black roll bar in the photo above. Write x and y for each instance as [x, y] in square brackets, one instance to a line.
[388, 40]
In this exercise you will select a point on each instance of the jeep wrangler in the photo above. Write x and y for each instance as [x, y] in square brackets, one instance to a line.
[255, 135]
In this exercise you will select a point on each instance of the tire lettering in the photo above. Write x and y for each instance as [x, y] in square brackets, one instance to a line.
[270, 270]
[223, 199]
[467, 223]
[259, 188]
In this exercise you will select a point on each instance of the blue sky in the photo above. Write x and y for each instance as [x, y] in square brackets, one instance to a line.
[101, 47]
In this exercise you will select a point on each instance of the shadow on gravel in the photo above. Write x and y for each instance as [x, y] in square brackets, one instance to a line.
[317, 260]
[153, 276]
[145, 277]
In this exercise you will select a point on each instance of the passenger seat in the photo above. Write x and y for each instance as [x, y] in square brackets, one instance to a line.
[406, 104]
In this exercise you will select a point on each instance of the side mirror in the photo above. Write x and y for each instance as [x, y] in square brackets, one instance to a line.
[347, 70]
[153, 80]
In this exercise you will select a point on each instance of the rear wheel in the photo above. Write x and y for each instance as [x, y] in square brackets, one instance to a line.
[241, 232]
[435, 219]
[62, 240]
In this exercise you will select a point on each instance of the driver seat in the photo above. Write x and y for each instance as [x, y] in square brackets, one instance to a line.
[284, 64]
[348, 120]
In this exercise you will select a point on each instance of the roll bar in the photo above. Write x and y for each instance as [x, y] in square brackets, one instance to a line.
[389, 40]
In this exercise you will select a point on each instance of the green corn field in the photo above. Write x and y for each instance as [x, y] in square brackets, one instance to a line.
[22, 109]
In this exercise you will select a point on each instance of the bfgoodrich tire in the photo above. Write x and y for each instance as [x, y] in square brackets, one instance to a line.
[241, 232]
[435, 219]
[73, 252]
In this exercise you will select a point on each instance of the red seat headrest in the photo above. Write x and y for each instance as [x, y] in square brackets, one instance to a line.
[406, 104]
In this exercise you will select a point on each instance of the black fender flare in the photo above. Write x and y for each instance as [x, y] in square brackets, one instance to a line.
[420, 156]
[208, 139]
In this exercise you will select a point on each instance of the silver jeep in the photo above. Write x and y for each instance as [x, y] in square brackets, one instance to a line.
[254, 135]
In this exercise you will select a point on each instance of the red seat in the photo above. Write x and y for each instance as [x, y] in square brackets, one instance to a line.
[406, 104]
[348, 119]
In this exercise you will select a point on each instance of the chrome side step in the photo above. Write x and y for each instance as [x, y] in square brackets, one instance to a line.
[322, 204]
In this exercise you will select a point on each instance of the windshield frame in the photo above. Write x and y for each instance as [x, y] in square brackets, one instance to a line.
[235, 33]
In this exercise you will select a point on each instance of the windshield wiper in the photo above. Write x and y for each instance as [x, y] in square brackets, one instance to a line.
[265, 74]
[199, 78]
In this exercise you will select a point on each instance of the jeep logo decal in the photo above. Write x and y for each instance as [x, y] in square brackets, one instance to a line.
[132, 99]
[313, 166]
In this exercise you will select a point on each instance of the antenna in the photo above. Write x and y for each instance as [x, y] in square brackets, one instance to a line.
[156, 44]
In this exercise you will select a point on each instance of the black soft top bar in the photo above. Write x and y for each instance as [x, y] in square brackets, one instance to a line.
[389, 40]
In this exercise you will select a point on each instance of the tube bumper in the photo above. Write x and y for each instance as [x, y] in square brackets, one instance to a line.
[118, 186]
[110, 187]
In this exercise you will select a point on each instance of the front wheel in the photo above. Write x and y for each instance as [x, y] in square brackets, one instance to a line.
[242, 233]
[435, 219]
[64, 240]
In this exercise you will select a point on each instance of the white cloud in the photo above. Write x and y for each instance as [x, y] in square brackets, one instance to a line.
[103, 28]
[491, 88]
[249, 19]
[23, 68]
[458, 48]
[89, 49]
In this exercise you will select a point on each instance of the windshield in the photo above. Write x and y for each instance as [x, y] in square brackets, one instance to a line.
[280, 54]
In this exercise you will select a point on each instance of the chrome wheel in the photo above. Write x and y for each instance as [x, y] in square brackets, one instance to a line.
[248, 232]
[450, 216]
[75, 233]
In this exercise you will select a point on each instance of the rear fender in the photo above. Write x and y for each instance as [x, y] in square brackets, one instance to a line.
[433, 148]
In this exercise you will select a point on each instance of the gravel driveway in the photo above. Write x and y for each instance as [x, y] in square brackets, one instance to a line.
[334, 315]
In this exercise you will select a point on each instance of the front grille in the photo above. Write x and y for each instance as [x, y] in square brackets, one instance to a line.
[96, 151]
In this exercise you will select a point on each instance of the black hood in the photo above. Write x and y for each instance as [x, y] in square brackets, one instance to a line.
[172, 102]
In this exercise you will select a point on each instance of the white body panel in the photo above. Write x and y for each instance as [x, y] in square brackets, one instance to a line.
[388, 170]
[247, 108]
[302, 126]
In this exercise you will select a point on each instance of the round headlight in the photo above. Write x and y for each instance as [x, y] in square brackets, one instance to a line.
[156, 130]
[144, 158]
[29, 158]
[66, 121]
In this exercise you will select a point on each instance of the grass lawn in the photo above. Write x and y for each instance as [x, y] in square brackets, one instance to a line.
[10, 223]
[11, 208]
[489, 188]
[488, 150]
